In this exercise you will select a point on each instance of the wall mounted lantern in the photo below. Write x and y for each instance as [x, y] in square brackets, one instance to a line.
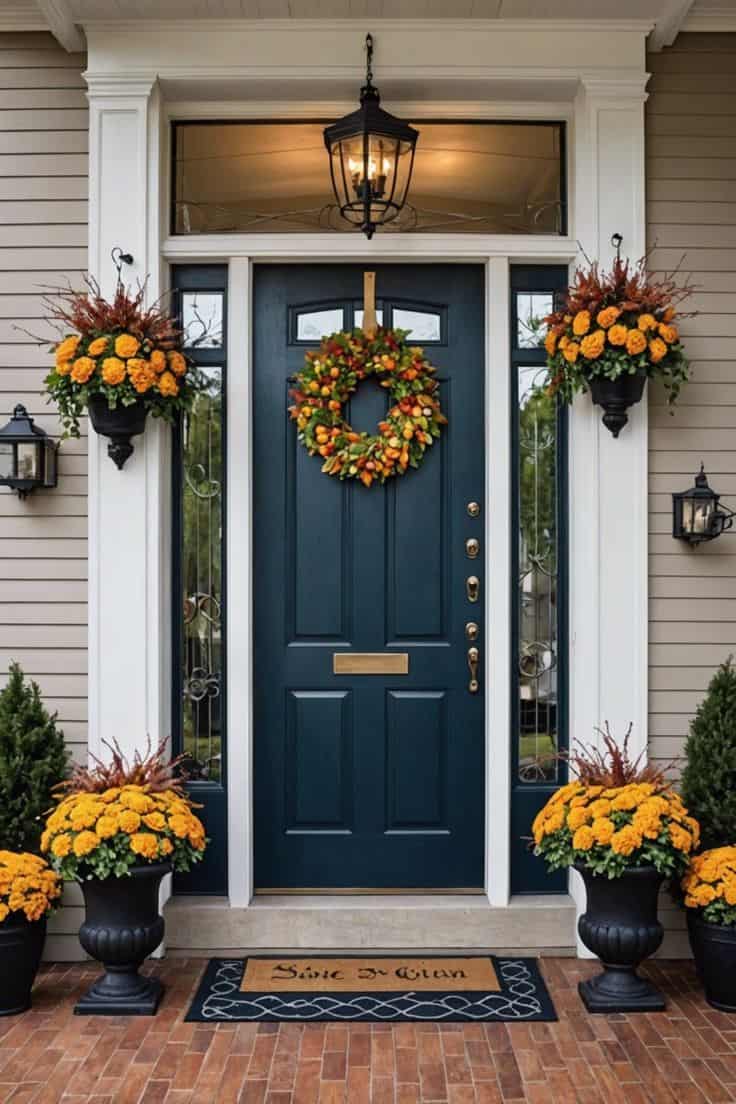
[27, 455]
[697, 515]
[371, 159]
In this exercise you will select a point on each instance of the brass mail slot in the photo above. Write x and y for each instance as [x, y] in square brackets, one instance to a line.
[370, 663]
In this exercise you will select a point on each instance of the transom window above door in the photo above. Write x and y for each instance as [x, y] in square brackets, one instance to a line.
[274, 177]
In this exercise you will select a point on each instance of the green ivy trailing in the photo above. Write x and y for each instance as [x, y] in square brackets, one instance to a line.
[33, 759]
[709, 778]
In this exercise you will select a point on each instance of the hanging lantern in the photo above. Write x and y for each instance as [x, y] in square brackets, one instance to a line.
[27, 455]
[697, 515]
[371, 159]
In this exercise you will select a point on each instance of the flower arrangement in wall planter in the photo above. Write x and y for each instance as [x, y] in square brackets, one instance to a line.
[613, 332]
[118, 360]
[118, 829]
[624, 829]
[709, 886]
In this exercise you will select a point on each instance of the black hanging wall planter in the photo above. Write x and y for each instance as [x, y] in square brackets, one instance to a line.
[616, 396]
[119, 425]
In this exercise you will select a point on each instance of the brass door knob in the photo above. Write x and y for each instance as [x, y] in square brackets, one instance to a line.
[472, 548]
[472, 631]
[472, 588]
[473, 657]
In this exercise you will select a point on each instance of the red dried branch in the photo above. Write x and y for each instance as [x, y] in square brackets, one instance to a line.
[153, 769]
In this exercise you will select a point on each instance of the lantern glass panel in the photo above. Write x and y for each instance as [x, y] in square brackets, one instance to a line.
[7, 466]
[697, 514]
[50, 477]
[29, 454]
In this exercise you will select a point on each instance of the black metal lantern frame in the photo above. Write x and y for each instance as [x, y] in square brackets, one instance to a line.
[371, 159]
[27, 455]
[697, 515]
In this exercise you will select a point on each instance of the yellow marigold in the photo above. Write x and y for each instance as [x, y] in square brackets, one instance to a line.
[576, 818]
[141, 375]
[627, 799]
[600, 807]
[670, 334]
[197, 839]
[129, 821]
[550, 342]
[166, 846]
[126, 346]
[583, 839]
[64, 367]
[156, 821]
[603, 829]
[98, 346]
[593, 344]
[555, 821]
[729, 893]
[702, 895]
[167, 384]
[564, 341]
[682, 839]
[66, 349]
[158, 360]
[626, 840]
[647, 822]
[179, 825]
[607, 316]
[145, 844]
[85, 842]
[657, 350]
[177, 363]
[113, 371]
[106, 826]
[617, 334]
[82, 369]
[84, 816]
[581, 323]
[571, 352]
[110, 795]
[133, 799]
[647, 322]
[636, 342]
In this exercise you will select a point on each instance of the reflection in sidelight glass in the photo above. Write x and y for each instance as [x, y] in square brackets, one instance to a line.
[274, 177]
[422, 325]
[538, 578]
[201, 579]
[201, 314]
[531, 310]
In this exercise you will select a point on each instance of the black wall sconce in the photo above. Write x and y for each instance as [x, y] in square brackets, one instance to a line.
[697, 515]
[27, 455]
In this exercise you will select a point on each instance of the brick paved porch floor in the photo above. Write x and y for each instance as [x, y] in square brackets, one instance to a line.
[686, 1054]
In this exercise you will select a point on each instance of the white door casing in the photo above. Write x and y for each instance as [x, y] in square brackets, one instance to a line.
[242, 71]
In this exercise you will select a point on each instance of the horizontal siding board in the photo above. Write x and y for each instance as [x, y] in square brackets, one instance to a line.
[42, 636]
[46, 77]
[45, 661]
[53, 121]
[46, 570]
[43, 211]
[23, 143]
[50, 188]
[42, 260]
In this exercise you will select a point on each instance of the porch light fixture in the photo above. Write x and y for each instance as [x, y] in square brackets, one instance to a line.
[27, 455]
[371, 159]
[697, 515]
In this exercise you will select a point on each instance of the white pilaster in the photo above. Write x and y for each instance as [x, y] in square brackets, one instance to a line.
[608, 476]
[128, 510]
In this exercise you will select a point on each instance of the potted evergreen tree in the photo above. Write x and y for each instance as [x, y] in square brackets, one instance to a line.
[709, 788]
[33, 760]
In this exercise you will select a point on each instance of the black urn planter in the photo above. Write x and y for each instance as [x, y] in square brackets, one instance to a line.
[119, 425]
[122, 926]
[21, 945]
[616, 396]
[714, 951]
[620, 926]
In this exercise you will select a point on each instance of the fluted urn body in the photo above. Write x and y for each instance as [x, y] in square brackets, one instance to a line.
[122, 926]
[621, 928]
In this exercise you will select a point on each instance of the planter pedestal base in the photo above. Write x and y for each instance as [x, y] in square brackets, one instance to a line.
[620, 990]
[121, 995]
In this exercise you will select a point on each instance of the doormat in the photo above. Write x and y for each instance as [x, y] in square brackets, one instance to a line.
[455, 989]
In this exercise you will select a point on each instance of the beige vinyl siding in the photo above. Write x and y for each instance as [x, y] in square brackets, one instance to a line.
[691, 211]
[43, 239]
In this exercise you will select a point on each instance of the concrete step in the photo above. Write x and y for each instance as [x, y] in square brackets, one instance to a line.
[208, 926]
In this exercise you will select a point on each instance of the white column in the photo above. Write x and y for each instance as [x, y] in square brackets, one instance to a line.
[129, 598]
[608, 476]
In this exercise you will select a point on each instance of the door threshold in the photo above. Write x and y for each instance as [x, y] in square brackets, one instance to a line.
[368, 891]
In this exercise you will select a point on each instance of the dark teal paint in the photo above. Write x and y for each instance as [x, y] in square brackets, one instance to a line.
[367, 781]
[528, 873]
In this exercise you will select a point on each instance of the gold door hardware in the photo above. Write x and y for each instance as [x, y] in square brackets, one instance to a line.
[473, 656]
[472, 587]
[472, 548]
[472, 631]
[473, 509]
[370, 663]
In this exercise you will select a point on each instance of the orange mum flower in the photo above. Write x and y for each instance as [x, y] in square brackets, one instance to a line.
[593, 344]
[98, 346]
[167, 384]
[657, 350]
[647, 322]
[607, 316]
[581, 323]
[113, 371]
[126, 346]
[617, 335]
[177, 363]
[141, 375]
[158, 360]
[571, 352]
[669, 333]
[82, 369]
[636, 342]
[550, 342]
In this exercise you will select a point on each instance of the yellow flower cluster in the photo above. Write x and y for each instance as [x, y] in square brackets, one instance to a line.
[621, 817]
[711, 877]
[577, 337]
[27, 885]
[152, 825]
[118, 358]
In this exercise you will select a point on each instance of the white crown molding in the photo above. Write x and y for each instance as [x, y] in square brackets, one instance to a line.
[59, 21]
[720, 20]
[669, 24]
[390, 26]
[119, 85]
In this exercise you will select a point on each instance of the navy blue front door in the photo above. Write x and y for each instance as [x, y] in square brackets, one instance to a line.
[368, 781]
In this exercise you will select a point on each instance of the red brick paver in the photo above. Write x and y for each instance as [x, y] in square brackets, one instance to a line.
[685, 1055]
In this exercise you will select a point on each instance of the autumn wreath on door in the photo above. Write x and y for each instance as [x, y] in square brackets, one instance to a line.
[332, 374]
